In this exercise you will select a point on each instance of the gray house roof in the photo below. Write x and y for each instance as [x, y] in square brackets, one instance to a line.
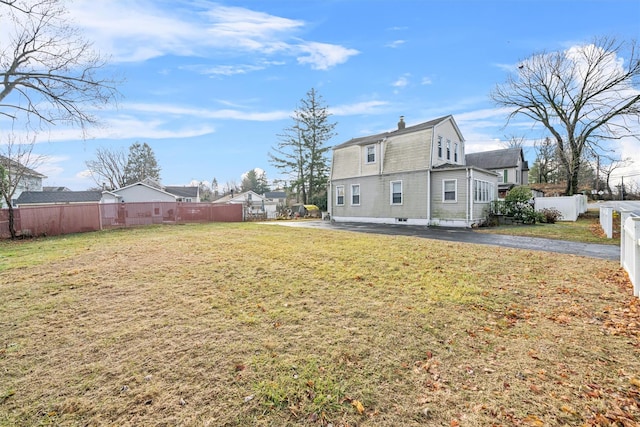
[497, 159]
[275, 195]
[51, 197]
[375, 138]
[182, 191]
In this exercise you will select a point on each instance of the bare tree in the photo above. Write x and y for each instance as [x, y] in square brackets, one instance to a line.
[513, 141]
[583, 97]
[605, 167]
[48, 73]
[17, 164]
[107, 169]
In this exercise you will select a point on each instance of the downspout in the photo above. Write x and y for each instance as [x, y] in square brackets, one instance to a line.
[429, 178]
[469, 194]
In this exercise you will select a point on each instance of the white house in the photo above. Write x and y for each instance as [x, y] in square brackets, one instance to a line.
[411, 175]
[254, 204]
[21, 177]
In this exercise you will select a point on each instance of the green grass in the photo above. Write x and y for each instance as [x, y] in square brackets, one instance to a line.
[585, 230]
[255, 324]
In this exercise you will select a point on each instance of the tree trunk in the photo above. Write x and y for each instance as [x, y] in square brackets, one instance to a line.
[12, 228]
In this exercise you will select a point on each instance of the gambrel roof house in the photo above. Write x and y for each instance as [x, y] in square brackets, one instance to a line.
[509, 163]
[411, 175]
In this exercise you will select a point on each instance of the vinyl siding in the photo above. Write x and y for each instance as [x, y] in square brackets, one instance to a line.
[408, 152]
[449, 210]
[375, 196]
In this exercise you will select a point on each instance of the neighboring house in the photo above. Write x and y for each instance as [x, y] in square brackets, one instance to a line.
[279, 197]
[412, 175]
[509, 163]
[184, 193]
[44, 198]
[55, 189]
[30, 181]
[254, 204]
[142, 192]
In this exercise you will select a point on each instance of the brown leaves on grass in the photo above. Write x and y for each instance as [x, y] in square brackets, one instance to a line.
[624, 320]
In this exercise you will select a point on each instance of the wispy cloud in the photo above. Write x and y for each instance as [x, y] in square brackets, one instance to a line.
[133, 31]
[402, 81]
[367, 107]
[322, 56]
[426, 81]
[396, 43]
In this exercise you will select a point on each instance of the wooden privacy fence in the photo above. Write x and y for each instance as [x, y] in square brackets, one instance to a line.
[79, 218]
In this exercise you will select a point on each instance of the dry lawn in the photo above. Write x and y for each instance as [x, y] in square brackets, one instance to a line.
[254, 324]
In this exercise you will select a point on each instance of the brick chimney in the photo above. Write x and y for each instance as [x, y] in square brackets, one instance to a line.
[401, 123]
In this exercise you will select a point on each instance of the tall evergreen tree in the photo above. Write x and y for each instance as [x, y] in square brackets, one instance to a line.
[302, 150]
[141, 164]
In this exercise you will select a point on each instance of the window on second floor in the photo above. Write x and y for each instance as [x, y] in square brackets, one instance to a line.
[439, 147]
[505, 176]
[340, 195]
[455, 152]
[448, 150]
[371, 154]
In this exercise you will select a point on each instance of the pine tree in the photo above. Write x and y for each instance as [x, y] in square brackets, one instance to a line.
[141, 164]
[302, 150]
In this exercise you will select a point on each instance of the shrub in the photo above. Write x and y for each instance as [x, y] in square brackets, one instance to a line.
[550, 215]
[519, 194]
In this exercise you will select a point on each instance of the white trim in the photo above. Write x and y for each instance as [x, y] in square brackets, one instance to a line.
[435, 222]
[344, 195]
[455, 200]
[366, 154]
[359, 194]
[391, 192]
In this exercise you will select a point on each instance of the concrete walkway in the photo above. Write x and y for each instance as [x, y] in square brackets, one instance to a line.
[465, 235]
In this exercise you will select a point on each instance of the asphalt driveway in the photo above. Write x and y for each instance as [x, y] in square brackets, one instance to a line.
[466, 235]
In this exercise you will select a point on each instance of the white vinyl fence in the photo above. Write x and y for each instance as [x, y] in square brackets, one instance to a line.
[630, 248]
[606, 220]
[569, 206]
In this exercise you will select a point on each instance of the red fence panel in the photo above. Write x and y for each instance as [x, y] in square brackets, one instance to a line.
[58, 219]
[76, 218]
[227, 213]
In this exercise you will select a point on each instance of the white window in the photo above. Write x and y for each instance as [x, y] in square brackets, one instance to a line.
[396, 192]
[448, 150]
[439, 147]
[483, 191]
[371, 154]
[355, 194]
[449, 190]
[455, 152]
[340, 195]
[505, 176]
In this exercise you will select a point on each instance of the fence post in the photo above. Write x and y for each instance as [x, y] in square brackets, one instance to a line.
[635, 221]
[624, 214]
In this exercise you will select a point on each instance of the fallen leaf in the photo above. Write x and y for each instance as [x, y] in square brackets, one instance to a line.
[359, 406]
[532, 420]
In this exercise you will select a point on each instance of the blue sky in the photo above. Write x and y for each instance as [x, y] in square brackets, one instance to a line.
[210, 85]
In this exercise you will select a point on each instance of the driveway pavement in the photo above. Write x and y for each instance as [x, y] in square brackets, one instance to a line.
[465, 235]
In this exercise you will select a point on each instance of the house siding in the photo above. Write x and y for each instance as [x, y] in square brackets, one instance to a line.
[445, 210]
[375, 196]
[408, 152]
